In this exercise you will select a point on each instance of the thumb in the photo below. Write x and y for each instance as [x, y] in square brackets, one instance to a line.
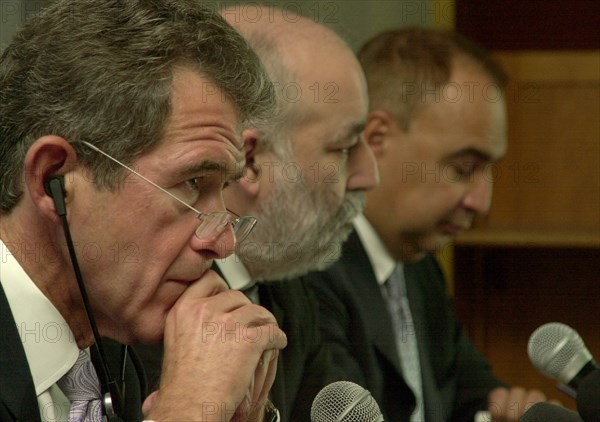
[149, 402]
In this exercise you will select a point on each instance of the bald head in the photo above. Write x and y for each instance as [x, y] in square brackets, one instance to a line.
[281, 27]
[312, 158]
[307, 62]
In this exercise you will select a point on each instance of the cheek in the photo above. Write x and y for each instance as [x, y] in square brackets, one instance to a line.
[140, 264]
[137, 284]
[335, 179]
[319, 172]
[158, 258]
[333, 194]
[446, 197]
[422, 204]
[326, 178]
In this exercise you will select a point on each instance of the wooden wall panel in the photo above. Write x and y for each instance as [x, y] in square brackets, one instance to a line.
[536, 257]
[550, 177]
[530, 24]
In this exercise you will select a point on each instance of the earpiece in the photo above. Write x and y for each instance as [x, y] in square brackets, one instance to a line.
[55, 187]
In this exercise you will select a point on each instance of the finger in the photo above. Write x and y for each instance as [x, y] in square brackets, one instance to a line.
[532, 397]
[209, 284]
[270, 377]
[260, 375]
[497, 400]
[554, 401]
[147, 405]
[189, 309]
[266, 370]
[228, 301]
[254, 315]
[516, 404]
[269, 336]
[512, 405]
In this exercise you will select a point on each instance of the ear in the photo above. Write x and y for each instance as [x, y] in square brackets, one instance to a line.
[48, 156]
[377, 130]
[250, 183]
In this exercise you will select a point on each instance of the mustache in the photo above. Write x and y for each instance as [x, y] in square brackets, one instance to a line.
[354, 204]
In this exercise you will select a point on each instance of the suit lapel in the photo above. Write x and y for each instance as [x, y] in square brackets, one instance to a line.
[268, 300]
[375, 310]
[17, 391]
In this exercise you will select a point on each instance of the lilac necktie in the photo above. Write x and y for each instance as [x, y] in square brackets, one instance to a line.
[82, 388]
[406, 339]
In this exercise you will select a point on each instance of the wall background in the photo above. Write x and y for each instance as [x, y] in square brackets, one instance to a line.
[357, 20]
[12, 15]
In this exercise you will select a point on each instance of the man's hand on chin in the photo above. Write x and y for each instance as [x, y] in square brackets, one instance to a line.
[220, 356]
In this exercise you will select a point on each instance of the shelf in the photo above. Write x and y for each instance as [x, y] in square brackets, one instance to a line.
[530, 238]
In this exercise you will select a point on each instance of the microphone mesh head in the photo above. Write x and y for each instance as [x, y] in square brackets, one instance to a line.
[552, 347]
[336, 398]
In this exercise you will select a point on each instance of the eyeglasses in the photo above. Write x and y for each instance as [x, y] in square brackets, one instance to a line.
[211, 224]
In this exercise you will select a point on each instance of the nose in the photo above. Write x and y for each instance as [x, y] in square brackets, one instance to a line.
[479, 194]
[220, 242]
[362, 168]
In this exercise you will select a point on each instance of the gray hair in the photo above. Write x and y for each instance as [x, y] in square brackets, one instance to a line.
[101, 71]
[420, 59]
[276, 132]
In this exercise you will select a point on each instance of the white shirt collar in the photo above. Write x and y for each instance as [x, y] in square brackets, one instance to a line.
[49, 344]
[234, 272]
[382, 262]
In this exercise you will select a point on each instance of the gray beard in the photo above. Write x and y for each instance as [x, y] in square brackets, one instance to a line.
[298, 231]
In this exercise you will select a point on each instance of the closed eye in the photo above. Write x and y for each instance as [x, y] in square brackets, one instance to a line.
[349, 148]
[466, 169]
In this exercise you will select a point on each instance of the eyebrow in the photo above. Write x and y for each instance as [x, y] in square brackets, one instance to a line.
[209, 166]
[346, 134]
[474, 152]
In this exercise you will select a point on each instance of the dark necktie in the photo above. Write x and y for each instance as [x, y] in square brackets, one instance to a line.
[251, 292]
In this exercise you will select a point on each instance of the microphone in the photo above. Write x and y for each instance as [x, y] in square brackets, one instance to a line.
[547, 412]
[588, 397]
[344, 401]
[558, 352]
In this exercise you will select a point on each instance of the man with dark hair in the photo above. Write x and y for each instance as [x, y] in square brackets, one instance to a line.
[122, 121]
[307, 171]
[436, 122]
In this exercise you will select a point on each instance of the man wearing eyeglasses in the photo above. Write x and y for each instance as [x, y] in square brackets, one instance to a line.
[307, 170]
[120, 126]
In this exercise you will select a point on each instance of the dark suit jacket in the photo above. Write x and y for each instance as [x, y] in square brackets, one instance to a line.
[356, 324]
[18, 400]
[304, 366]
